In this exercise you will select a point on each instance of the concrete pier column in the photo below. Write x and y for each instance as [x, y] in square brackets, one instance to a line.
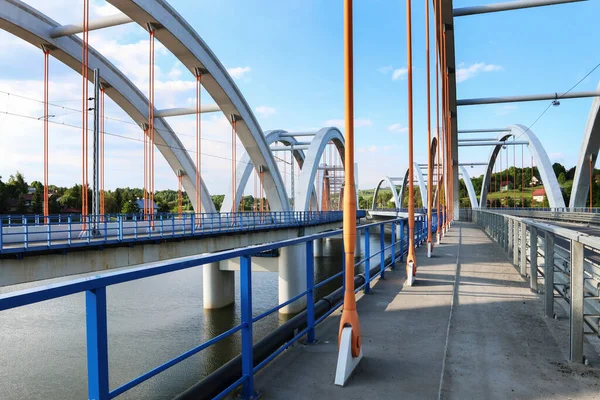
[318, 247]
[218, 287]
[292, 277]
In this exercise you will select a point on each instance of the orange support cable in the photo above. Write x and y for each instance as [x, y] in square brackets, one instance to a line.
[150, 205]
[591, 182]
[429, 160]
[102, 209]
[233, 166]
[411, 261]
[46, 122]
[198, 209]
[350, 315]
[84, 114]
[179, 194]
[522, 179]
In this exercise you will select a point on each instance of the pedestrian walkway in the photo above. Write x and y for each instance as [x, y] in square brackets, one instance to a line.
[479, 336]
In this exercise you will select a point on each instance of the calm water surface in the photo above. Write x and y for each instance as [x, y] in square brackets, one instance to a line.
[150, 321]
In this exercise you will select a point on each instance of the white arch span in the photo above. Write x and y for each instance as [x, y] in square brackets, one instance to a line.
[551, 186]
[470, 188]
[178, 36]
[306, 187]
[34, 27]
[390, 182]
[589, 147]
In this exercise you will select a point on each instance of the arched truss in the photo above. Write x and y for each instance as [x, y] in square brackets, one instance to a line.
[390, 182]
[589, 147]
[177, 35]
[542, 162]
[437, 188]
[306, 186]
[470, 188]
[34, 27]
[245, 167]
[422, 186]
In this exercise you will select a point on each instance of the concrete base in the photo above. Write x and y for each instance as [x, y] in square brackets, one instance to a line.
[218, 287]
[346, 363]
[292, 278]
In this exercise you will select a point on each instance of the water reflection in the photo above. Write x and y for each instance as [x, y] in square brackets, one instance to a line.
[150, 321]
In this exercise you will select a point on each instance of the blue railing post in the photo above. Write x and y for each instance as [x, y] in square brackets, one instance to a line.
[48, 233]
[367, 261]
[97, 343]
[70, 229]
[382, 248]
[1, 233]
[247, 344]
[393, 245]
[194, 223]
[401, 240]
[310, 298]
[120, 228]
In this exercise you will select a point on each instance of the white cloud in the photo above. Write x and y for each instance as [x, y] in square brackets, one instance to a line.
[238, 72]
[265, 111]
[467, 72]
[399, 73]
[507, 109]
[340, 123]
[385, 70]
[556, 157]
[370, 149]
[397, 128]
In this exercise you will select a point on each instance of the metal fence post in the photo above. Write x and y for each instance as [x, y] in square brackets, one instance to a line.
[382, 249]
[515, 242]
[1, 235]
[393, 245]
[576, 320]
[310, 299]
[247, 343]
[401, 257]
[367, 261]
[97, 343]
[533, 266]
[505, 233]
[523, 249]
[549, 275]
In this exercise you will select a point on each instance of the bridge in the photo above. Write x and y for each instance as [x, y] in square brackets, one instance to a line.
[481, 301]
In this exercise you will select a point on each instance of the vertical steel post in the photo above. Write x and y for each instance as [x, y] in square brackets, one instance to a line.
[577, 293]
[393, 245]
[247, 343]
[382, 249]
[515, 229]
[533, 265]
[367, 260]
[310, 298]
[97, 343]
[523, 249]
[549, 275]
[401, 240]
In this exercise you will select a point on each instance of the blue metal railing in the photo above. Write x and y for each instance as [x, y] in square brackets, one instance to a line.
[26, 233]
[96, 311]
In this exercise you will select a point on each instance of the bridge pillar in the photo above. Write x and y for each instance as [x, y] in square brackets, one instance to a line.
[358, 246]
[292, 278]
[218, 287]
[318, 247]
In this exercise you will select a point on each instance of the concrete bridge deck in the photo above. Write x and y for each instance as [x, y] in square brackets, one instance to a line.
[470, 328]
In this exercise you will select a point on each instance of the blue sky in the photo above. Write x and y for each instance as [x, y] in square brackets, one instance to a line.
[287, 59]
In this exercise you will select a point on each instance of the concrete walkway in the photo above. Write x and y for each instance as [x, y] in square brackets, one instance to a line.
[479, 336]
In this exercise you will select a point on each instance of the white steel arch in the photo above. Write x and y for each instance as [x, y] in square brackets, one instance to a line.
[551, 186]
[422, 187]
[178, 36]
[589, 147]
[34, 27]
[390, 182]
[245, 167]
[306, 185]
[470, 188]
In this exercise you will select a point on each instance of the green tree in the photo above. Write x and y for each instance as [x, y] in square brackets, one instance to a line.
[130, 207]
[37, 204]
[21, 207]
[217, 200]
[562, 178]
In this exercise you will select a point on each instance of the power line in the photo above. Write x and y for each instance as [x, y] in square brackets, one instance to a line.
[557, 98]
[123, 137]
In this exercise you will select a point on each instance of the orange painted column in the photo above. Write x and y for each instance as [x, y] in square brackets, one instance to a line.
[429, 156]
[84, 115]
[46, 122]
[411, 261]
[349, 314]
